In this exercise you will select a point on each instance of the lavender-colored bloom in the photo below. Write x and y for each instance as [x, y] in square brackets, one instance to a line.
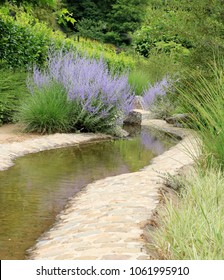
[38, 79]
[90, 82]
[158, 89]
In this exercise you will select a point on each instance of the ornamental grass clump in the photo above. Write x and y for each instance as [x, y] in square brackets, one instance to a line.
[97, 100]
[193, 228]
[203, 99]
[47, 110]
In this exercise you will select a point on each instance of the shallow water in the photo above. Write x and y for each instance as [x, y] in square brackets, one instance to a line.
[37, 188]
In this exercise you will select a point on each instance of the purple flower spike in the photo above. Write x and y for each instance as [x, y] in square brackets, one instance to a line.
[158, 89]
[89, 82]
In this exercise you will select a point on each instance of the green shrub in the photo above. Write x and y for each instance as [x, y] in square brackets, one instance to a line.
[163, 32]
[47, 110]
[20, 46]
[12, 91]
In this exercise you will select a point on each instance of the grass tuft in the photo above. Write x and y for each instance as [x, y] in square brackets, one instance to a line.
[46, 110]
[194, 228]
[12, 91]
[203, 98]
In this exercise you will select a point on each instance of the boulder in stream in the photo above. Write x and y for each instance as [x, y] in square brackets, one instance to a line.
[134, 118]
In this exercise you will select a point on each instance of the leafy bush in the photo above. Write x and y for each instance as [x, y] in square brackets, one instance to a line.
[161, 33]
[64, 17]
[97, 100]
[88, 28]
[12, 91]
[19, 46]
[47, 110]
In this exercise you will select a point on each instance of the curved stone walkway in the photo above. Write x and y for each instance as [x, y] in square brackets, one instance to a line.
[105, 221]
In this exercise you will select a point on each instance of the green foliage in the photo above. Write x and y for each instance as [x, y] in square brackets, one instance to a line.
[203, 98]
[85, 121]
[64, 17]
[89, 28]
[172, 48]
[112, 21]
[138, 80]
[25, 40]
[154, 69]
[126, 16]
[193, 229]
[160, 33]
[192, 30]
[12, 91]
[158, 66]
[50, 3]
[89, 9]
[46, 111]
[164, 106]
[19, 46]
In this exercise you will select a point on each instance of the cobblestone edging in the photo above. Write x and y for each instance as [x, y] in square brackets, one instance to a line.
[106, 219]
[9, 152]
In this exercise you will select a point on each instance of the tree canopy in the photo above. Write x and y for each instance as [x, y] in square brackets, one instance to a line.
[108, 20]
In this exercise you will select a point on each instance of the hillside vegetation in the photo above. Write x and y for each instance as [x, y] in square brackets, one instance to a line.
[76, 65]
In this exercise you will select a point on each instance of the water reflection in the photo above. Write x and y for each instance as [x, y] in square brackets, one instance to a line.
[37, 188]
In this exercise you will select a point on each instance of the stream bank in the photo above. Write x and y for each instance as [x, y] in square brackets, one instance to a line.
[107, 219]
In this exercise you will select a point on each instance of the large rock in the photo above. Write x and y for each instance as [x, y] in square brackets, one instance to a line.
[134, 118]
[138, 103]
[178, 119]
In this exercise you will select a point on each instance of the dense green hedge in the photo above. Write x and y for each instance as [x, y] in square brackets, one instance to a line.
[19, 46]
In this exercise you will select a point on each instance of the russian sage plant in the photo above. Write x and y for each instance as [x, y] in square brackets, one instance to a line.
[153, 91]
[159, 99]
[98, 99]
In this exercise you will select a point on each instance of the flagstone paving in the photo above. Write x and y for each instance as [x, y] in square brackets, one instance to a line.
[106, 220]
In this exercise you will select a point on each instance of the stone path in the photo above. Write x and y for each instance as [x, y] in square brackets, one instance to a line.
[10, 151]
[105, 221]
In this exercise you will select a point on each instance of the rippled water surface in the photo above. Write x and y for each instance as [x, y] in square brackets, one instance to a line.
[37, 188]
